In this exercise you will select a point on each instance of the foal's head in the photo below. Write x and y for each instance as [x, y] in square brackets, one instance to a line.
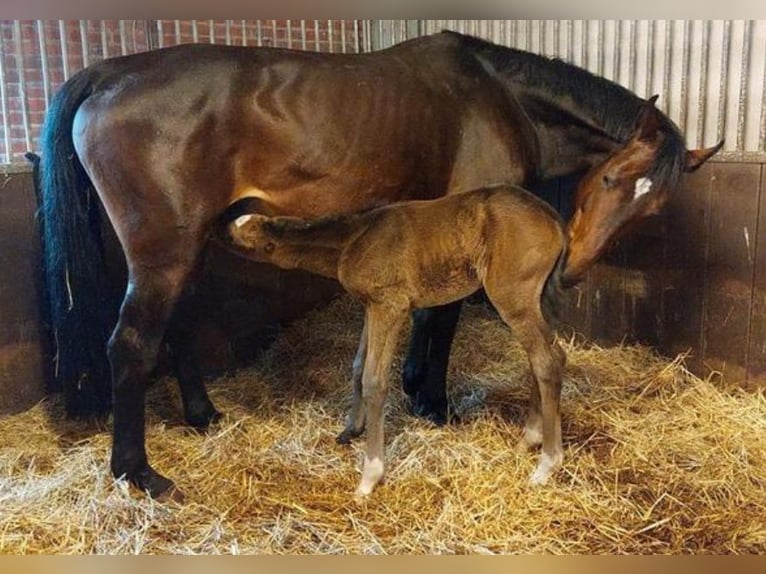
[630, 185]
[249, 233]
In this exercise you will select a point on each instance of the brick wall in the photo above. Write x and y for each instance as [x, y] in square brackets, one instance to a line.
[36, 56]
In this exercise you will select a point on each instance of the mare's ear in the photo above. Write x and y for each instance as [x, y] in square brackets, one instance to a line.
[647, 122]
[696, 157]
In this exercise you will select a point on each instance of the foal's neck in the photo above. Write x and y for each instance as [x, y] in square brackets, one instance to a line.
[311, 245]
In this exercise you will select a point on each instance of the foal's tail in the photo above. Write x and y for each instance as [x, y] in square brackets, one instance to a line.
[553, 291]
[81, 311]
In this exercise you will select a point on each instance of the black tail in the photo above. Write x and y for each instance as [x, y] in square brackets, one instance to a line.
[553, 291]
[81, 311]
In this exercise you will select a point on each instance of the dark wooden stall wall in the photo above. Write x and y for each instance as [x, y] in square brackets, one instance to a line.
[24, 356]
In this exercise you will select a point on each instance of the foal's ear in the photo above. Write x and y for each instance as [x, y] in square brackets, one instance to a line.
[696, 157]
[647, 122]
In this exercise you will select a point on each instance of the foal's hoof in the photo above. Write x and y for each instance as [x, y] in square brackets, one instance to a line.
[347, 436]
[545, 469]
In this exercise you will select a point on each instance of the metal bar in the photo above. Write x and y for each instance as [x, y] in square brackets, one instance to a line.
[195, 32]
[211, 31]
[667, 57]
[243, 24]
[742, 103]
[528, 38]
[273, 32]
[4, 108]
[343, 36]
[104, 40]
[356, 36]
[43, 62]
[685, 57]
[160, 35]
[83, 43]
[329, 35]
[18, 39]
[617, 56]
[179, 38]
[601, 33]
[317, 45]
[726, 45]
[259, 33]
[228, 32]
[123, 39]
[762, 132]
[303, 34]
[649, 57]
[556, 39]
[702, 103]
[633, 61]
[289, 33]
[64, 51]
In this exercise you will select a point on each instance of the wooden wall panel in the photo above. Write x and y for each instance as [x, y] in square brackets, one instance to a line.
[756, 364]
[730, 267]
[24, 357]
[644, 283]
[687, 219]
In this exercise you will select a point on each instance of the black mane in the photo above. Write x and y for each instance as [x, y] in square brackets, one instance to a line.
[603, 102]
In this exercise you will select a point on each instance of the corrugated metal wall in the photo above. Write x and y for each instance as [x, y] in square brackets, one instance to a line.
[710, 75]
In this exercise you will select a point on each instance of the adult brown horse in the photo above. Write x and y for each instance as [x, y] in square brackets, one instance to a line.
[169, 139]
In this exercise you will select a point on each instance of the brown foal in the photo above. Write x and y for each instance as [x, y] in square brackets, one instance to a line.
[419, 254]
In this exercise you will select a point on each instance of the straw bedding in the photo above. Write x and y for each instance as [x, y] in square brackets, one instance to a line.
[656, 461]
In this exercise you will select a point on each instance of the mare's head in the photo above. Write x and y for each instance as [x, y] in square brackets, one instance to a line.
[633, 183]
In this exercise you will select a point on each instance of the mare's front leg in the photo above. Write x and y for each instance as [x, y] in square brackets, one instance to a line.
[384, 326]
[355, 424]
[425, 369]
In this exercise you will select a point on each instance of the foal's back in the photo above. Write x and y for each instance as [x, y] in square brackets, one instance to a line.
[426, 253]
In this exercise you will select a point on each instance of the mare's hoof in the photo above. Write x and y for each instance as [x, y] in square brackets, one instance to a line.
[412, 382]
[435, 413]
[172, 494]
[153, 483]
[347, 436]
[202, 421]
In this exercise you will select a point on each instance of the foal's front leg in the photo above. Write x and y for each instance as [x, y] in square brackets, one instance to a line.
[383, 328]
[355, 424]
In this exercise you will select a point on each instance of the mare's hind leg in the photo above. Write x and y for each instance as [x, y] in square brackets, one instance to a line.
[199, 411]
[133, 347]
[355, 424]
[546, 360]
[425, 369]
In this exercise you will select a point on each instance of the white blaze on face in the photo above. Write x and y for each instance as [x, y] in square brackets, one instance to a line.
[242, 219]
[643, 186]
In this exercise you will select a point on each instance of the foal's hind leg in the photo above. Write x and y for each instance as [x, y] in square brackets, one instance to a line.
[384, 326]
[355, 424]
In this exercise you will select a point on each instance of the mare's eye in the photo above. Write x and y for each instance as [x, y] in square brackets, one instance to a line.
[608, 181]
[269, 247]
